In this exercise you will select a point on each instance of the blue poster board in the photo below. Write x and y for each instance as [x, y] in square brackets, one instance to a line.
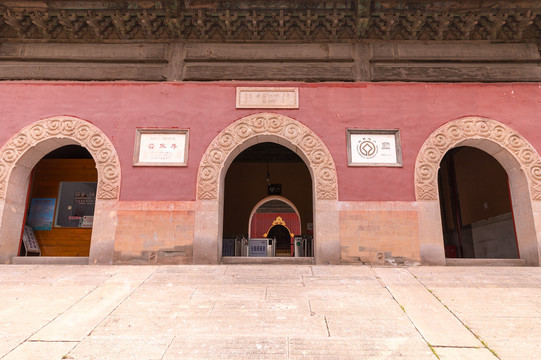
[41, 213]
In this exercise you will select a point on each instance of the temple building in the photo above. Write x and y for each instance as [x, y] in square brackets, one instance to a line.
[302, 132]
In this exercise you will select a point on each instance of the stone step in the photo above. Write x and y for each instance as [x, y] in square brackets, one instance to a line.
[485, 262]
[50, 260]
[268, 260]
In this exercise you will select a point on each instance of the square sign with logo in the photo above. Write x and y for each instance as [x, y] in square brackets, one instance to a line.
[374, 148]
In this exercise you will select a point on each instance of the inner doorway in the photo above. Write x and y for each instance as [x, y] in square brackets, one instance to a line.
[283, 240]
[476, 208]
[256, 185]
[60, 204]
[278, 219]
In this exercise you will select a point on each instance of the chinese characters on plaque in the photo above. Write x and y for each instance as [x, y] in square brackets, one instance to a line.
[374, 148]
[267, 98]
[161, 147]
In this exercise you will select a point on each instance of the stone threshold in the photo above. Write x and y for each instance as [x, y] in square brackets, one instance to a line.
[485, 262]
[268, 260]
[50, 260]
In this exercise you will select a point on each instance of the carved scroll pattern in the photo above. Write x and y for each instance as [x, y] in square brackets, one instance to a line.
[455, 132]
[84, 133]
[316, 152]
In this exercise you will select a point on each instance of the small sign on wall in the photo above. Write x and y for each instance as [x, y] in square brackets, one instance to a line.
[267, 98]
[274, 189]
[374, 148]
[161, 147]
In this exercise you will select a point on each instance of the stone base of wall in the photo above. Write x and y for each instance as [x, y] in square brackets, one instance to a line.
[379, 232]
[370, 232]
[155, 232]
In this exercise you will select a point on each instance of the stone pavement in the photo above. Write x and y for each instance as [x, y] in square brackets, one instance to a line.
[269, 312]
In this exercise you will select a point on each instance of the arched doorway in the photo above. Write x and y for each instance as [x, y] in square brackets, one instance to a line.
[61, 201]
[248, 131]
[284, 239]
[275, 217]
[20, 155]
[518, 158]
[476, 209]
[273, 172]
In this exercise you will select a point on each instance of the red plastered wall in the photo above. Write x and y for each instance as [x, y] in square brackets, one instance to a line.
[328, 109]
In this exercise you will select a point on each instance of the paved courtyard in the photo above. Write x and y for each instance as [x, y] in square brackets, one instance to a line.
[269, 312]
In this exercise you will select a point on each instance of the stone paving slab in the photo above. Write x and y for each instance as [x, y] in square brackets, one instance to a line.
[114, 348]
[216, 326]
[359, 348]
[56, 275]
[246, 293]
[256, 308]
[465, 354]
[269, 312]
[239, 347]
[499, 304]
[24, 309]
[192, 269]
[285, 271]
[39, 350]
[76, 322]
[372, 327]
[478, 277]
[437, 325]
[10, 342]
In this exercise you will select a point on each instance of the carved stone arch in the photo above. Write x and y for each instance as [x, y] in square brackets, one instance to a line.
[65, 127]
[314, 152]
[516, 155]
[461, 131]
[241, 134]
[22, 152]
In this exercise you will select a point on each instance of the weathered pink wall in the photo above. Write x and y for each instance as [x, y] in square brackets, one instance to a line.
[327, 108]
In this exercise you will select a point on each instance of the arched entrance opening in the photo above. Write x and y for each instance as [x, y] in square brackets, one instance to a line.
[61, 201]
[512, 152]
[20, 155]
[283, 240]
[277, 218]
[277, 175]
[476, 208]
[223, 150]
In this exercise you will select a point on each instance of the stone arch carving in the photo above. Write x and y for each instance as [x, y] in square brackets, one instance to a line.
[455, 133]
[66, 127]
[314, 150]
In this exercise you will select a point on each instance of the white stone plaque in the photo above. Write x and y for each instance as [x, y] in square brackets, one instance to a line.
[267, 98]
[161, 147]
[374, 148]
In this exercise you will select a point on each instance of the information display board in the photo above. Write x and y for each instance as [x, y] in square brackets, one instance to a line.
[76, 203]
[257, 247]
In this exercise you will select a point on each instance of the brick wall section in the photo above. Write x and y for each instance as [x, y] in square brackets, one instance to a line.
[369, 234]
[154, 232]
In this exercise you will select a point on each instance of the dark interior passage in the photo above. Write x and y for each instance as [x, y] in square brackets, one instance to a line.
[476, 207]
[259, 172]
[283, 239]
[60, 206]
